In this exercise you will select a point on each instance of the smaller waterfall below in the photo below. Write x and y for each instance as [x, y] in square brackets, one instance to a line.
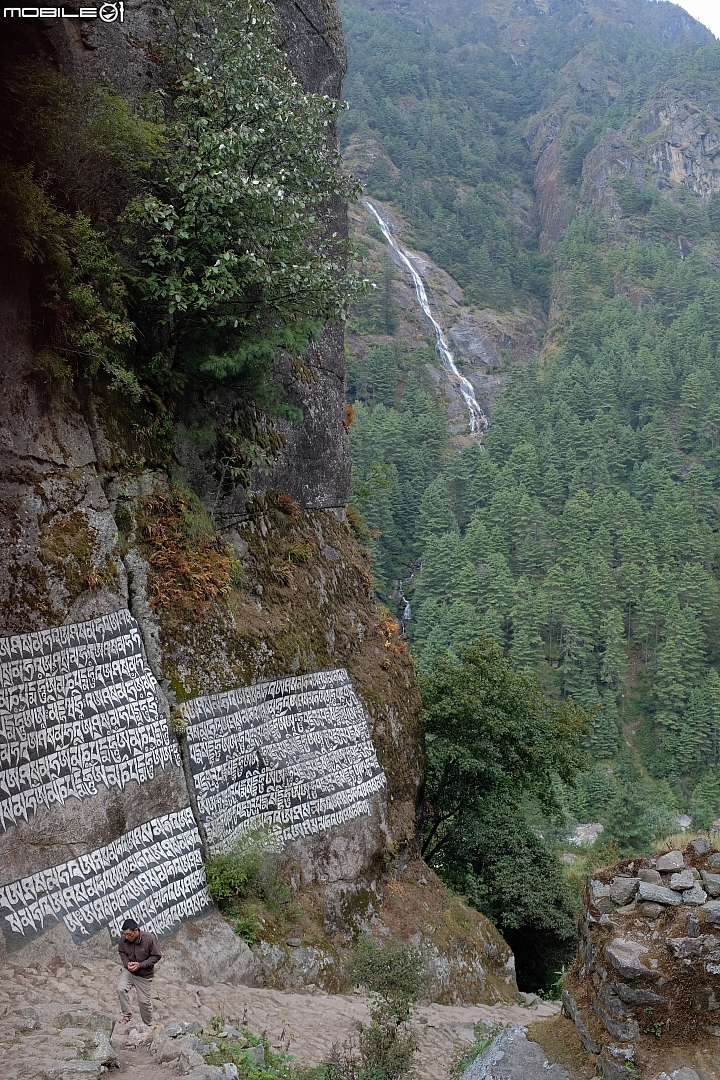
[478, 420]
[404, 611]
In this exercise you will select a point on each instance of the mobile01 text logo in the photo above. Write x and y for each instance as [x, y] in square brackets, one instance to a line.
[107, 13]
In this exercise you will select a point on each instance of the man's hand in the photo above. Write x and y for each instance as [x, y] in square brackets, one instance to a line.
[133, 966]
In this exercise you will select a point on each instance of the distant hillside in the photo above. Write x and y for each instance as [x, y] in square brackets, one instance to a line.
[561, 160]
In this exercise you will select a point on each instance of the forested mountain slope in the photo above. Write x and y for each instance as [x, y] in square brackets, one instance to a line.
[561, 160]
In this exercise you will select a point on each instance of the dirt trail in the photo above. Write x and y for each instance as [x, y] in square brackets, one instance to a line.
[314, 1020]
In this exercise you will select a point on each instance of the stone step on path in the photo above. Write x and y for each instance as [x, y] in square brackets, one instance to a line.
[511, 1056]
[313, 1019]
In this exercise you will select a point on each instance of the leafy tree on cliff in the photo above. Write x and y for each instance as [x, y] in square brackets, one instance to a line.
[178, 241]
[494, 741]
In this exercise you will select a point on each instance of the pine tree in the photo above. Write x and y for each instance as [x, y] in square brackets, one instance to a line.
[441, 567]
[630, 579]
[381, 374]
[436, 516]
[710, 425]
[605, 737]
[552, 490]
[522, 468]
[497, 586]
[678, 665]
[493, 624]
[690, 405]
[614, 659]
[700, 491]
[484, 479]
[694, 730]
[705, 800]
[476, 541]
[577, 647]
[467, 585]
[454, 625]
[652, 609]
[527, 644]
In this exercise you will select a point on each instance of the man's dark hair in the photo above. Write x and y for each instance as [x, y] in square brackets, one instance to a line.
[130, 924]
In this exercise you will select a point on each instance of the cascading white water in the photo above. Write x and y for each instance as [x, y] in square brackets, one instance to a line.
[404, 615]
[478, 420]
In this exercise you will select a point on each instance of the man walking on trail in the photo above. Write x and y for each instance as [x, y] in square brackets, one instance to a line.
[139, 952]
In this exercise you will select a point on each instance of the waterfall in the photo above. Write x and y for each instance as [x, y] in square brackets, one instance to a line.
[404, 611]
[478, 420]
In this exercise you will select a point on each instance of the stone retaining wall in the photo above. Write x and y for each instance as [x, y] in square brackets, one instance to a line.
[648, 964]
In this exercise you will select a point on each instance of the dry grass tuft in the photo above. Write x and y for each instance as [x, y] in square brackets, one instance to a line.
[190, 564]
[679, 841]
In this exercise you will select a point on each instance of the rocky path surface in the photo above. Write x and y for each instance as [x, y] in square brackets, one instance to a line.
[33, 1001]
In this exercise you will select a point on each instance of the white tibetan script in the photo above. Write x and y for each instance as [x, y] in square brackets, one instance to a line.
[294, 754]
[153, 874]
[78, 710]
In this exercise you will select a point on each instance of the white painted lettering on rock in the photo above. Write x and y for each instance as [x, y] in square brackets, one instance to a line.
[294, 754]
[153, 873]
[78, 710]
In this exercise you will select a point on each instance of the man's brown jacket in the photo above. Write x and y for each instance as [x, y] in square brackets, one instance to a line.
[144, 951]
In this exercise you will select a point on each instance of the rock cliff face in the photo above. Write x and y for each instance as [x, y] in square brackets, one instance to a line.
[672, 140]
[199, 600]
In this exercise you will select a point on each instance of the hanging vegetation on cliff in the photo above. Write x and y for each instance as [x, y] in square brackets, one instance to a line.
[209, 248]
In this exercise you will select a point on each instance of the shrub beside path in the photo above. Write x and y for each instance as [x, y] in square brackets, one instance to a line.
[311, 1019]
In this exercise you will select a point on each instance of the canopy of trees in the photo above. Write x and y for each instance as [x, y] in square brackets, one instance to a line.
[493, 741]
[583, 536]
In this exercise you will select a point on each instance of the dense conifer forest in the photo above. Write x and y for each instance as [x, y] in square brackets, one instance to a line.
[582, 536]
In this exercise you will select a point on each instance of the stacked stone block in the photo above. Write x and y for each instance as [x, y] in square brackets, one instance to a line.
[648, 962]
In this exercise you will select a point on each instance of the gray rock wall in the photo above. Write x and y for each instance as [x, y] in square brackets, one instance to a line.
[82, 729]
[649, 955]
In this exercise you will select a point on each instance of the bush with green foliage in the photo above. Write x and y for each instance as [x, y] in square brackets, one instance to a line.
[494, 743]
[492, 737]
[233, 873]
[276, 1065]
[245, 881]
[392, 974]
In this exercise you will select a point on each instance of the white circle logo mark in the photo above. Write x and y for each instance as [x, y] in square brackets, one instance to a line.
[108, 12]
